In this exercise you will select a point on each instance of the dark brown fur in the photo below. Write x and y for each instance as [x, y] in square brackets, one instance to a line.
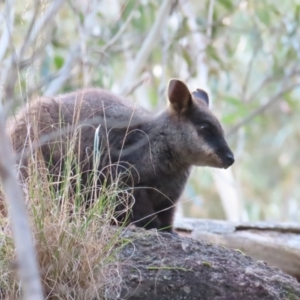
[158, 150]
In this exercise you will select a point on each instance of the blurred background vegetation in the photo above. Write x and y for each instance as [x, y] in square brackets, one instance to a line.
[245, 53]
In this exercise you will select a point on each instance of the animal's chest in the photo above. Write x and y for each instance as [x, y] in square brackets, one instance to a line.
[165, 191]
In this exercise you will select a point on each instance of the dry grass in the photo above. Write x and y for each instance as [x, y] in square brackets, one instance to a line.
[76, 246]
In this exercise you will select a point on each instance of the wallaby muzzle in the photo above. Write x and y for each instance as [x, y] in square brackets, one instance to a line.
[226, 156]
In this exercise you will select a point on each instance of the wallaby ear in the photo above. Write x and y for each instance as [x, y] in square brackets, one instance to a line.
[179, 95]
[201, 95]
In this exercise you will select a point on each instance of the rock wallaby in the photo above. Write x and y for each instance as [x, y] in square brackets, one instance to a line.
[152, 154]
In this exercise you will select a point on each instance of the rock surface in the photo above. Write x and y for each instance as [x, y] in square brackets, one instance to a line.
[163, 266]
[276, 243]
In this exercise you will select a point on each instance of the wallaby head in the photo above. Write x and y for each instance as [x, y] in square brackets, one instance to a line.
[198, 136]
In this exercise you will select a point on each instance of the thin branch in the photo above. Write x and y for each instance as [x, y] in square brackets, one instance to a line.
[137, 83]
[41, 84]
[262, 108]
[264, 82]
[248, 73]
[166, 41]
[20, 53]
[8, 17]
[148, 45]
[269, 79]
[119, 33]
[225, 15]
[199, 45]
[65, 71]
[40, 24]
[26, 254]
[210, 18]
[36, 54]
[10, 73]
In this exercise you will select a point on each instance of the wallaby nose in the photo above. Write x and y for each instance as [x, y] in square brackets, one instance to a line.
[229, 159]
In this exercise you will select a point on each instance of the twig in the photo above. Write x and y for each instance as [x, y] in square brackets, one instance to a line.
[119, 33]
[259, 88]
[220, 19]
[148, 45]
[8, 17]
[35, 55]
[137, 83]
[210, 18]
[20, 53]
[26, 254]
[262, 108]
[248, 74]
[65, 71]
[200, 42]
[268, 80]
[10, 74]
[42, 83]
[40, 24]
[164, 61]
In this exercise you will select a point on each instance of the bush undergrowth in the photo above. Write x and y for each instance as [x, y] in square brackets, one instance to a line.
[76, 245]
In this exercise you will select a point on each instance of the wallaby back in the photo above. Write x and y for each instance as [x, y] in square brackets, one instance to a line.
[154, 152]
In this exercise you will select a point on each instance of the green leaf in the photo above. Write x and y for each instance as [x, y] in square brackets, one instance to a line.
[229, 119]
[236, 110]
[232, 100]
[187, 58]
[264, 16]
[226, 3]
[297, 12]
[291, 54]
[81, 17]
[58, 61]
[213, 53]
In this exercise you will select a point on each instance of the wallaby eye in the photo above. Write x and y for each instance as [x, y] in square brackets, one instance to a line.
[204, 126]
